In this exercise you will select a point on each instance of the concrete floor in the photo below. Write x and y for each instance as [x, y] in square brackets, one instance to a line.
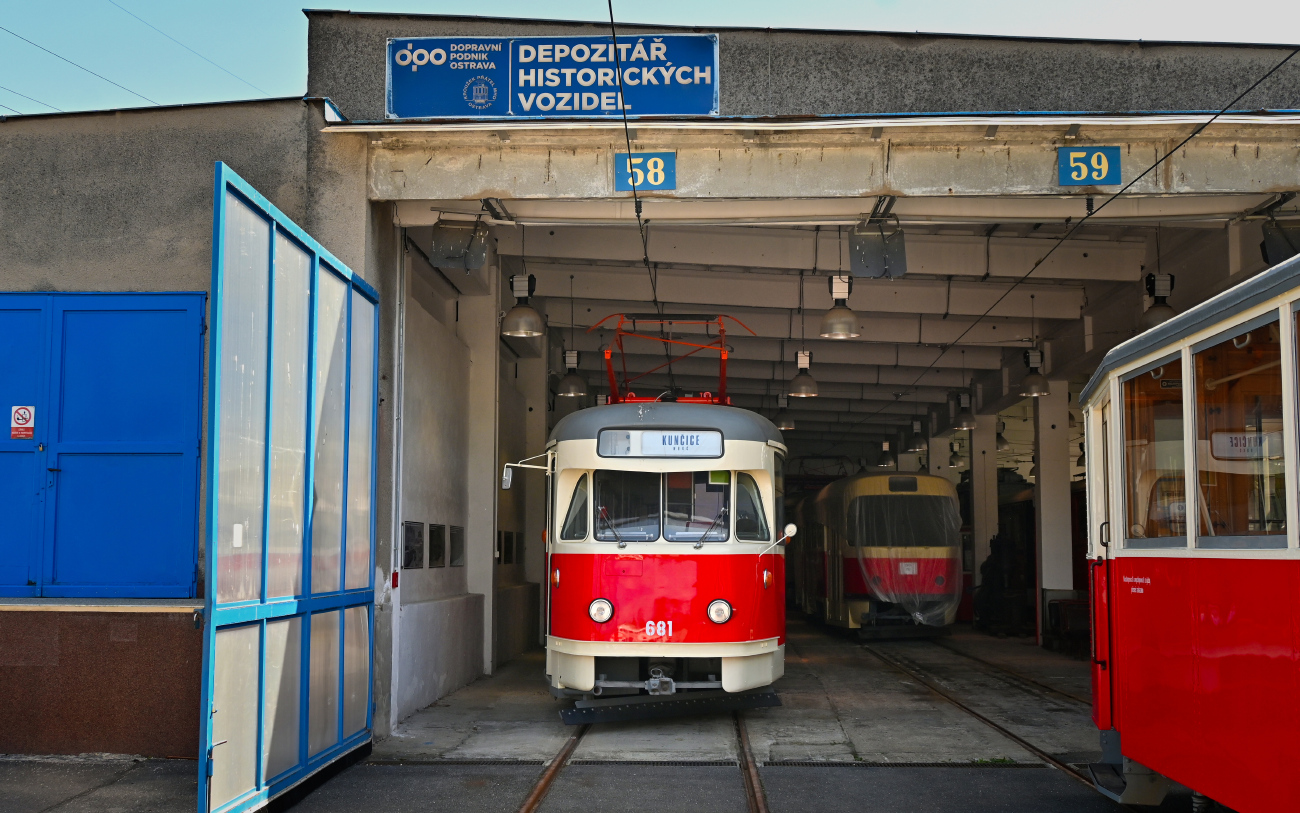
[849, 736]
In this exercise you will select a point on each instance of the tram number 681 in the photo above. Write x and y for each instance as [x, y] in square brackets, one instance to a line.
[659, 629]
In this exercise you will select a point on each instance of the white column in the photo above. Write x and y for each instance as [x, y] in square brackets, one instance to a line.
[984, 487]
[1052, 492]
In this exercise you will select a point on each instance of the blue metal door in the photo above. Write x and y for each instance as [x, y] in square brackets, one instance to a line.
[24, 324]
[290, 523]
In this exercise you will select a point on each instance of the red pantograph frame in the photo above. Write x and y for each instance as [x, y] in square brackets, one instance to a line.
[618, 396]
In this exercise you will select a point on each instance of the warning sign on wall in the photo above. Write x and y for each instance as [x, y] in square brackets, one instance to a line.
[22, 422]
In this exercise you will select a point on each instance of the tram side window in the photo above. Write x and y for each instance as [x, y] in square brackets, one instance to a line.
[1153, 458]
[575, 522]
[751, 519]
[1240, 451]
[778, 481]
[627, 506]
[696, 506]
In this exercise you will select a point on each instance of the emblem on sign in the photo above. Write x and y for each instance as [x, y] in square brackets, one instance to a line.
[22, 422]
[480, 92]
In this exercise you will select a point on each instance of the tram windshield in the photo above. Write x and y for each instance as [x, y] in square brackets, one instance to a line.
[575, 523]
[697, 505]
[627, 506]
[887, 520]
[1153, 457]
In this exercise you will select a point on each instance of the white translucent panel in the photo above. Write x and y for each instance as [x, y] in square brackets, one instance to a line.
[290, 336]
[241, 408]
[331, 383]
[234, 719]
[356, 669]
[361, 413]
[323, 689]
[281, 710]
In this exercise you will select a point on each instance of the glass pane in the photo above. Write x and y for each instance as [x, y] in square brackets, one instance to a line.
[234, 698]
[412, 545]
[627, 506]
[290, 336]
[241, 441]
[575, 524]
[751, 521]
[1153, 459]
[331, 379]
[323, 693]
[696, 506]
[778, 481]
[360, 418]
[1240, 454]
[283, 683]
[356, 669]
[437, 546]
[921, 521]
[457, 546]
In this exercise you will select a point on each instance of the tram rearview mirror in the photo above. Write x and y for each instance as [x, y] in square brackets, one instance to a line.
[507, 476]
[790, 530]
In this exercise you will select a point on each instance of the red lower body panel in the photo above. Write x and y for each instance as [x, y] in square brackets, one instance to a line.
[1206, 674]
[651, 591]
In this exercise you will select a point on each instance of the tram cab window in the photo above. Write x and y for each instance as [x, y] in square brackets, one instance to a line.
[575, 522]
[1153, 458]
[1240, 450]
[922, 521]
[626, 506]
[751, 519]
[697, 505]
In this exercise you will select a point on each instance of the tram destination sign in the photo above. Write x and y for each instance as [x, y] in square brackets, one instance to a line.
[552, 77]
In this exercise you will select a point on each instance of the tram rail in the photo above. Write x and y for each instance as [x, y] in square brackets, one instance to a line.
[1020, 676]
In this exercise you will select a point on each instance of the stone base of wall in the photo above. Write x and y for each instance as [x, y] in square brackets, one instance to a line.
[440, 650]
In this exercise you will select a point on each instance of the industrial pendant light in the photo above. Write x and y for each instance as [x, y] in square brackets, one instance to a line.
[803, 385]
[886, 459]
[839, 322]
[572, 385]
[965, 417]
[1081, 462]
[1033, 470]
[917, 443]
[523, 320]
[783, 420]
[1159, 287]
[1034, 385]
[1003, 445]
[955, 460]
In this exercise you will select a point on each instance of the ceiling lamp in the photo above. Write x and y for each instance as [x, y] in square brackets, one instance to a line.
[886, 459]
[965, 418]
[1081, 462]
[572, 385]
[1033, 470]
[1034, 385]
[1003, 445]
[955, 460]
[783, 420]
[523, 320]
[917, 443]
[840, 322]
[1159, 287]
[803, 385]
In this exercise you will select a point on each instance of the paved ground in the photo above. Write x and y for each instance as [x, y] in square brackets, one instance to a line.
[848, 737]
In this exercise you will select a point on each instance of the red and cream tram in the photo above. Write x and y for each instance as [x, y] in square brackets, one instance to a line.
[665, 554]
[1195, 561]
[880, 553]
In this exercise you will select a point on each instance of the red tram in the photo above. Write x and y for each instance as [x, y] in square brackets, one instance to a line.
[880, 553]
[1195, 564]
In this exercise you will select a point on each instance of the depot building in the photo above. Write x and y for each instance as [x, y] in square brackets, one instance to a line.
[261, 382]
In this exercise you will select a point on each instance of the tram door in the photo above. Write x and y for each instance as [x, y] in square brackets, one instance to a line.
[1099, 567]
[290, 522]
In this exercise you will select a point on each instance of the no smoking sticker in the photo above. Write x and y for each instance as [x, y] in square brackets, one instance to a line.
[22, 422]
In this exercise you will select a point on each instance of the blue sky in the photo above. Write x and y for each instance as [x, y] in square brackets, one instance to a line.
[182, 51]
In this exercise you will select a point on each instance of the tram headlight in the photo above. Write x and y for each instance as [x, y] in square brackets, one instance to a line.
[600, 610]
[719, 612]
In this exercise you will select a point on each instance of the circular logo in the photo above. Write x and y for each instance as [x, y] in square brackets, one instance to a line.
[480, 92]
[22, 416]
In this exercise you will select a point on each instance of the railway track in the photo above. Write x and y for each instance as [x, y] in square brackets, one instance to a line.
[755, 796]
[1018, 676]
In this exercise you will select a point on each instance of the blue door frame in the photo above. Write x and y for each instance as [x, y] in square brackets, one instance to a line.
[299, 627]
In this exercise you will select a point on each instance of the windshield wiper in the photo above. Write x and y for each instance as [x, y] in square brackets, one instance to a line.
[700, 542]
[604, 516]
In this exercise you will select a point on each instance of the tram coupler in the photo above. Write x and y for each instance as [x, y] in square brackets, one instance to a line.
[648, 707]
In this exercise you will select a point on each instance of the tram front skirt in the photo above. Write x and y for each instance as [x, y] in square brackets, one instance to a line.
[645, 707]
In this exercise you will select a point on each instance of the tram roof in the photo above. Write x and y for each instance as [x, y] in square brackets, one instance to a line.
[733, 423]
[1222, 308]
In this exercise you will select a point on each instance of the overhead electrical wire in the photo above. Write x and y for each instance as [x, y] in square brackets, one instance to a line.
[82, 67]
[7, 107]
[188, 48]
[28, 98]
[945, 347]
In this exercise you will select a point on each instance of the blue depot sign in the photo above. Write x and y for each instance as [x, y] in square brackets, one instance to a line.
[552, 77]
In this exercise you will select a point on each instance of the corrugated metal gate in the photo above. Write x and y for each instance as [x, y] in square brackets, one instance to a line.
[290, 520]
